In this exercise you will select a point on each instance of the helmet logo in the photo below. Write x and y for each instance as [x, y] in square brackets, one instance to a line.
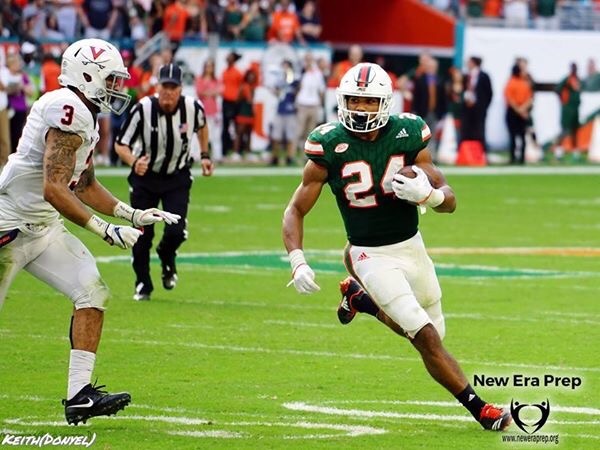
[365, 76]
[96, 52]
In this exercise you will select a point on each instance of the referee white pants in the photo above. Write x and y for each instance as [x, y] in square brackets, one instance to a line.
[401, 280]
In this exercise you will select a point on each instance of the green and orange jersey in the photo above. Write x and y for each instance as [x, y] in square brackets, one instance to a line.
[360, 176]
[569, 90]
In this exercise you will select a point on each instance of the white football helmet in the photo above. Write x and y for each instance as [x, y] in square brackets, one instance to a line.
[364, 80]
[96, 69]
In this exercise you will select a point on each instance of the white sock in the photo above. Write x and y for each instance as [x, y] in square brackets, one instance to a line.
[81, 365]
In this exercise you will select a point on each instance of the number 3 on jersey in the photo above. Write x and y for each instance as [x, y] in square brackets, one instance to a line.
[68, 117]
[360, 193]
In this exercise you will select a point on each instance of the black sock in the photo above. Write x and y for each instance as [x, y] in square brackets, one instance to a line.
[471, 401]
[71, 331]
[363, 303]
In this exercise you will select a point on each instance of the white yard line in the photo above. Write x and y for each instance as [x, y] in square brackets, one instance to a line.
[335, 411]
[349, 430]
[210, 434]
[555, 408]
[292, 323]
[583, 436]
[324, 354]
[346, 430]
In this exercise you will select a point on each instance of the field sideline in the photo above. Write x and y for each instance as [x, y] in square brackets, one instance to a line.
[233, 359]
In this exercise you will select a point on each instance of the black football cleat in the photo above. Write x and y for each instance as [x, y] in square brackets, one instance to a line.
[494, 419]
[90, 401]
[169, 271]
[169, 277]
[142, 293]
[349, 289]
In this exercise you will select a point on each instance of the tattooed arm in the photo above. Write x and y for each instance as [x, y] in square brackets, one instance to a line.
[91, 192]
[59, 164]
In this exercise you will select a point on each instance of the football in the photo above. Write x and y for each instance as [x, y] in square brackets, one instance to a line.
[407, 171]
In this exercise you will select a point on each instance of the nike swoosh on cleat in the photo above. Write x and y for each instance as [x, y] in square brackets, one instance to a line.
[83, 405]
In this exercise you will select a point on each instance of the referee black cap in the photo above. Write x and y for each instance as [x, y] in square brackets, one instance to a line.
[170, 73]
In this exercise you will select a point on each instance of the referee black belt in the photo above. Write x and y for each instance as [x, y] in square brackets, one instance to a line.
[153, 174]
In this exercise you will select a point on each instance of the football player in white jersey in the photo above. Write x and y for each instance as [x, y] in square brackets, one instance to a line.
[52, 175]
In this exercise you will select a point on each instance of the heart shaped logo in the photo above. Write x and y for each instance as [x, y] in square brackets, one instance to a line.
[520, 411]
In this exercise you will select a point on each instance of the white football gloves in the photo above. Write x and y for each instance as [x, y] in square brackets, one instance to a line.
[121, 236]
[417, 190]
[149, 216]
[303, 276]
[143, 217]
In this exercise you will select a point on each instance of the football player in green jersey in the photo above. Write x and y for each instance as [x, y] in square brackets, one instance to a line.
[392, 276]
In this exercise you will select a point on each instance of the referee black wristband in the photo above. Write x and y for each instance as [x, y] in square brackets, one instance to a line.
[204, 155]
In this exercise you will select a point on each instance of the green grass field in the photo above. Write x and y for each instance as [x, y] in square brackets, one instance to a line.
[232, 359]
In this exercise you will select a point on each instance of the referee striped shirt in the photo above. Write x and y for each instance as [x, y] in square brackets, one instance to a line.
[166, 138]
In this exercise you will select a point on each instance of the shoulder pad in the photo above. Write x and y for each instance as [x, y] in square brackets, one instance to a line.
[68, 113]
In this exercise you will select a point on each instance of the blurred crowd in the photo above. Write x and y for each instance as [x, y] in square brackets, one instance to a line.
[296, 84]
[541, 14]
[138, 20]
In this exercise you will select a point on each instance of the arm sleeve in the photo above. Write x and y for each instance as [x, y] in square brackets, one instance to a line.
[423, 131]
[315, 150]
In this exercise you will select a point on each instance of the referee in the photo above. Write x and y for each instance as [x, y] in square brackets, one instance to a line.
[155, 142]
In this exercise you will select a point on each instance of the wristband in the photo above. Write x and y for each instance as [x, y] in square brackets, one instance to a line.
[97, 225]
[296, 258]
[434, 199]
[124, 211]
[204, 155]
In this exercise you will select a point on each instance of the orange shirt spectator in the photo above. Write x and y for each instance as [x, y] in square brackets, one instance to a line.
[50, 71]
[149, 76]
[355, 55]
[518, 92]
[285, 25]
[174, 20]
[339, 70]
[135, 75]
[232, 80]
[492, 8]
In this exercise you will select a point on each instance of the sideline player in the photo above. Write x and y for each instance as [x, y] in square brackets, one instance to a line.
[52, 174]
[359, 158]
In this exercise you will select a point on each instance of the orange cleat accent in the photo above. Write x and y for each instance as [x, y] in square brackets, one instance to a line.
[349, 289]
[494, 419]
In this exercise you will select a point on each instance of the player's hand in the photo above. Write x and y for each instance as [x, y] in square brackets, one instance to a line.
[304, 280]
[207, 167]
[143, 217]
[414, 190]
[140, 166]
[121, 236]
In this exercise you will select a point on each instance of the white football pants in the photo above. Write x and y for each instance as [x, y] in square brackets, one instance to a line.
[59, 259]
[401, 280]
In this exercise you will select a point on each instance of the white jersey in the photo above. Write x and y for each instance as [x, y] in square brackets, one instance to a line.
[22, 180]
